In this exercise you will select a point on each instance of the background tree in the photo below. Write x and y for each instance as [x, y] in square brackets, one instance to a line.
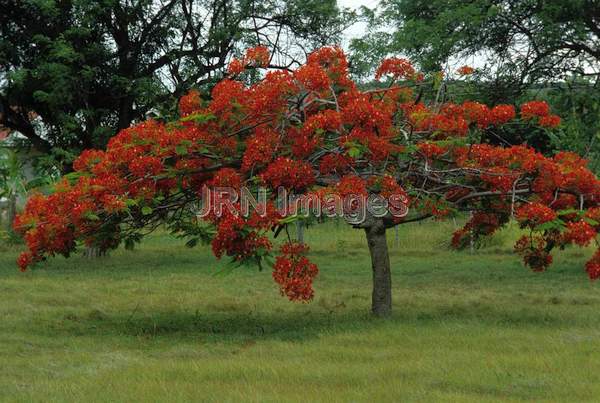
[579, 104]
[313, 132]
[72, 73]
[522, 42]
[16, 180]
[529, 48]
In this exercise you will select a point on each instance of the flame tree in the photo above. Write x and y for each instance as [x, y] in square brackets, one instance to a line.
[313, 130]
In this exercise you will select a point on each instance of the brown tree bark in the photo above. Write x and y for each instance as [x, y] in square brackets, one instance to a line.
[11, 212]
[381, 302]
[300, 231]
[92, 252]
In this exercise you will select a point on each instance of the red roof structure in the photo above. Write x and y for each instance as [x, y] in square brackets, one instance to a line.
[4, 132]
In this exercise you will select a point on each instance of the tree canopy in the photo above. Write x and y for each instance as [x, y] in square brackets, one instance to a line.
[522, 42]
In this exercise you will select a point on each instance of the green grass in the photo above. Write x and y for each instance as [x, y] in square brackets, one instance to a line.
[160, 324]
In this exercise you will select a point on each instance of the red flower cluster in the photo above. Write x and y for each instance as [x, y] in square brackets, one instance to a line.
[351, 185]
[465, 70]
[535, 109]
[260, 148]
[550, 121]
[539, 110]
[313, 77]
[534, 251]
[291, 174]
[190, 103]
[481, 224]
[534, 214]
[306, 140]
[453, 120]
[579, 232]
[324, 67]
[593, 266]
[238, 240]
[335, 163]
[477, 113]
[431, 150]
[333, 60]
[146, 165]
[255, 57]
[88, 159]
[502, 114]
[397, 68]
[294, 272]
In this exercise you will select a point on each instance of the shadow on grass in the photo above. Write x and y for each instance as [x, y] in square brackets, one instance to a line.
[235, 326]
[221, 326]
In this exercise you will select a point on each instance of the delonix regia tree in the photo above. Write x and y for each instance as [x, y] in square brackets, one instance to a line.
[313, 131]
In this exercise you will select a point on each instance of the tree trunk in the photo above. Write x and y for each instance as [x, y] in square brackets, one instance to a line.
[11, 212]
[380, 263]
[92, 252]
[300, 231]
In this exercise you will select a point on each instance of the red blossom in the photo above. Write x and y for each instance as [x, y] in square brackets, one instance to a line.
[465, 70]
[534, 214]
[397, 68]
[550, 121]
[534, 252]
[313, 77]
[294, 272]
[146, 165]
[593, 266]
[335, 163]
[24, 260]
[431, 150]
[257, 56]
[291, 174]
[189, 103]
[501, 114]
[534, 109]
[260, 148]
[477, 113]
[579, 232]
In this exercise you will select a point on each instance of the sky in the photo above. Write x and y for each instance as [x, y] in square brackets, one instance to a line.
[357, 29]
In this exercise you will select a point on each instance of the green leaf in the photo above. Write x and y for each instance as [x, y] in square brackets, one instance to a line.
[550, 225]
[198, 117]
[192, 242]
[181, 149]
[290, 219]
[568, 211]
[92, 216]
[129, 244]
[354, 152]
[147, 210]
[72, 177]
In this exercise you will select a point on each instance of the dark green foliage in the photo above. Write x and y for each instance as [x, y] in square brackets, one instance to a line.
[578, 102]
[523, 41]
[72, 73]
[531, 49]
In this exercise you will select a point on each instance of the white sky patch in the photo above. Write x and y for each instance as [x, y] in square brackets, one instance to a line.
[359, 29]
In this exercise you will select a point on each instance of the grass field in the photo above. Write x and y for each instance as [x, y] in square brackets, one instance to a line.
[161, 324]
